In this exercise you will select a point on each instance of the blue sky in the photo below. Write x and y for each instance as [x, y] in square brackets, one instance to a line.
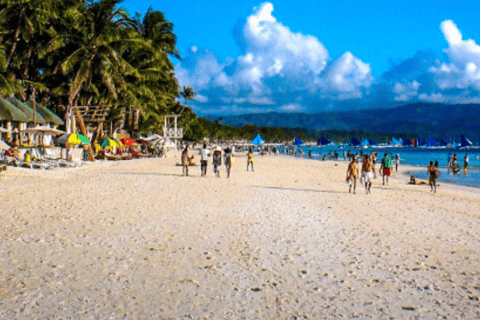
[310, 56]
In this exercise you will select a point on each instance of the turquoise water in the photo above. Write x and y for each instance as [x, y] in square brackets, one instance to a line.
[418, 157]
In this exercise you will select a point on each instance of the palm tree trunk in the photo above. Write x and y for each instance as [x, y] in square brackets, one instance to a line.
[17, 32]
[83, 130]
[34, 107]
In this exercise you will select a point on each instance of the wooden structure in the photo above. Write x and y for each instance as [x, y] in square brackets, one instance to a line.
[170, 129]
[93, 114]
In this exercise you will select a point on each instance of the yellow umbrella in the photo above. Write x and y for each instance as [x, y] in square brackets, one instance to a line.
[108, 143]
[119, 143]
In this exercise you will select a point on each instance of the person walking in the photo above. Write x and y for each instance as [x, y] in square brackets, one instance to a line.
[217, 161]
[250, 158]
[228, 160]
[397, 162]
[385, 167]
[204, 154]
[352, 173]
[367, 173]
[432, 177]
[185, 161]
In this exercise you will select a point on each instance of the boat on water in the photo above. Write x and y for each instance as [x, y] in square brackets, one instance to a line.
[322, 142]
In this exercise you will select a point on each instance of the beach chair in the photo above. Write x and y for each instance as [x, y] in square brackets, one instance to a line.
[37, 154]
[135, 154]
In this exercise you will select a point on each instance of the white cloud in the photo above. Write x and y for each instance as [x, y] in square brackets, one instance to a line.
[433, 97]
[405, 92]
[462, 71]
[276, 66]
[292, 107]
[201, 98]
[347, 77]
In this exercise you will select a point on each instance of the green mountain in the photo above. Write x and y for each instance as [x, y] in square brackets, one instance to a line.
[424, 119]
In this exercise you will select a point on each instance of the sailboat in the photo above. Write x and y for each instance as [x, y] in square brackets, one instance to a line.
[354, 142]
[432, 143]
[365, 143]
[322, 142]
[465, 143]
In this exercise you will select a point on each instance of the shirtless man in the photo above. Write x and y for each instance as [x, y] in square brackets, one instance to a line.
[432, 177]
[367, 173]
[352, 173]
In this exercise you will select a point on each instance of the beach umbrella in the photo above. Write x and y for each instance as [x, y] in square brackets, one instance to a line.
[43, 131]
[73, 138]
[108, 143]
[128, 141]
[119, 143]
[258, 140]
[4, 146]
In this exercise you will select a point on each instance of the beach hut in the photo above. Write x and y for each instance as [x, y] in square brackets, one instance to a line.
[49, 116]
[297, 141]
[257, 140]
[11, 115]
[27, 110]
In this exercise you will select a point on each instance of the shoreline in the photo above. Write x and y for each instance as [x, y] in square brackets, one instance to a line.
[136, 239]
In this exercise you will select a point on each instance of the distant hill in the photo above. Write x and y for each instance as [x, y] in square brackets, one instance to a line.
[425, 119]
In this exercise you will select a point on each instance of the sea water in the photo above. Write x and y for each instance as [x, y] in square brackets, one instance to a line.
[420, 157]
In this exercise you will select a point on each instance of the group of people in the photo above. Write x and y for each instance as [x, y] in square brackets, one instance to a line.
[453, 165]
[187, 160]
[368, 171]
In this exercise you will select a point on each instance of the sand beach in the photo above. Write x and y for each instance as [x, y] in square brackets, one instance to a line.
[136, 240]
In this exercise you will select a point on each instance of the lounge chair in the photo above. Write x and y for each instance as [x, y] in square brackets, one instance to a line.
[60, 162]
[136, 154]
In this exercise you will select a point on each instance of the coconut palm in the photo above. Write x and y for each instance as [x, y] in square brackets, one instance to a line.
[188, 94]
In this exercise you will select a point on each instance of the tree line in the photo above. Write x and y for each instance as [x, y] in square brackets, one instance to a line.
[67, 53]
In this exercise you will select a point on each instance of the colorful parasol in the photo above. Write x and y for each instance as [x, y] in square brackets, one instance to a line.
[108, 143]
[119, 143]
[128, 141]
[73, 138]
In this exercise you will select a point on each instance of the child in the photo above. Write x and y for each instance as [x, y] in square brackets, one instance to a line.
[250, 159]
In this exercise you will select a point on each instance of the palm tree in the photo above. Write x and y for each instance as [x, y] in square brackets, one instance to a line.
[154, 93]
[188, 94]
[94, 62]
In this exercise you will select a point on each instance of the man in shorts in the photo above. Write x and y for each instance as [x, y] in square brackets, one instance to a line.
[367, 173]
[204, 154]
[352, 173]
[385, 167]
[432, 177]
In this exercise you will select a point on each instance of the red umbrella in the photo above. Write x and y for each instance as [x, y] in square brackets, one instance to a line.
[128, 141]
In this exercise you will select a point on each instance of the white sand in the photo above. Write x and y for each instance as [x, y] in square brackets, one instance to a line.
[134, 239]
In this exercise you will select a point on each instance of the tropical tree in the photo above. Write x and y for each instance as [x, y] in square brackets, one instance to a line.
[188, 94]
